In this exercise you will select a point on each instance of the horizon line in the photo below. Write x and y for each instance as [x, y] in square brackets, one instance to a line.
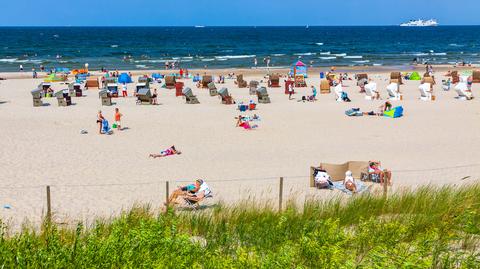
[253, 26]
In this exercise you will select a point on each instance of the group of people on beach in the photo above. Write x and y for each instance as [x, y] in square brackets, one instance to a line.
[103, 124]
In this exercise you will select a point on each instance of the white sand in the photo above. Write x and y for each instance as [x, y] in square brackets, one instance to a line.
[43, 146]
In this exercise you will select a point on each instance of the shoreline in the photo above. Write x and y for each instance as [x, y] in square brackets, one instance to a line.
[262, 71]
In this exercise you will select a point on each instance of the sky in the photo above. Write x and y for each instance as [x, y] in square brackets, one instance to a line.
[234, 12]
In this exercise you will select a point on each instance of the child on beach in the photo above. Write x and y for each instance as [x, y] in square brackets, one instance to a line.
[168, 152]
[118, 119]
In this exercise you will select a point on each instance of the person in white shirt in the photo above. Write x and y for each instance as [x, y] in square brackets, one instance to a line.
[349, 182]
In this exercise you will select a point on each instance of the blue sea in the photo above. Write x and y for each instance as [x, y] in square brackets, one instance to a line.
[225, 47]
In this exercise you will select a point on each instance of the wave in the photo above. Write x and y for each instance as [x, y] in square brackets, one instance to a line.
[8, 60]
[377, 64]
[456, 45]
[361, 62]
[340, 54]
[353, 57]
[113, 46]
[305, 54]
[328, 58]
[439, 53]
[325, 53]
[208, 60]
[279, 54]
[235, 56]
[140, 66]
[320, 44]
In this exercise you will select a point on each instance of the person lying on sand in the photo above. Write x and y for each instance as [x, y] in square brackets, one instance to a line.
[168, 152]
[349, 182]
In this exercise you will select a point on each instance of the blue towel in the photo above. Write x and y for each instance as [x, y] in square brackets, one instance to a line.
[361, 187]
[105, 127]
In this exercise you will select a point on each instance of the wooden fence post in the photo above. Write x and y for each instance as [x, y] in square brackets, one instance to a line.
[49, 206]
[280, 195]
[386, 179]
[167, 192]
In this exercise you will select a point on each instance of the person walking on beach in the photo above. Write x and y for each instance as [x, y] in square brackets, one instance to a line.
[255, 62]
[21, 68]
[124, 90]
[34, 73]
[118, 119]
[290, 91]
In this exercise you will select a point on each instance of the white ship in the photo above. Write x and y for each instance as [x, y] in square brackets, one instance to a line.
[420, 23]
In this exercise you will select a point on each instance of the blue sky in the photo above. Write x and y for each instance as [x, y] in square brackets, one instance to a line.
[234, 12]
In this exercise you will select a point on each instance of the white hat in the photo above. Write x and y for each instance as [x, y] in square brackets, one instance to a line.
[348, 173]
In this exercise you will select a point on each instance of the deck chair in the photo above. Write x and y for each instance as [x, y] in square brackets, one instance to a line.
[425, 92]
[324, 86]
[396, 77]
[371, 91]
[225, 96]
[253, 87]
[393, 90]
[37, 97]
[338, 92]
[240, 82]
[189, 97]
[455, 77]
[195, 205]
[170, 82]
[262, 95]
[206, 80]
[274, 81]
[212, 89]
[62, 99]
[462, 89]
[476, 76]
[360, 77]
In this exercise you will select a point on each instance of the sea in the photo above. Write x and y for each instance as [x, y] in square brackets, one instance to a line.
[137, 48]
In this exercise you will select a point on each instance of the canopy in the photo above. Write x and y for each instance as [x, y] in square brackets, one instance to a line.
[124, 78]
[156, 76]
[415, 76]
[299, 68]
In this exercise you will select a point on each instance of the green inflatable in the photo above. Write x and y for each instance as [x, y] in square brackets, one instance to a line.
[415, 76]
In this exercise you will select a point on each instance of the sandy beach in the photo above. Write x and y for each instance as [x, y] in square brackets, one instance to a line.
[98, 175]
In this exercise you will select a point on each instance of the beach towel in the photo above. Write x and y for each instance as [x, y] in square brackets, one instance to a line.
[354, 112]
[361, 187]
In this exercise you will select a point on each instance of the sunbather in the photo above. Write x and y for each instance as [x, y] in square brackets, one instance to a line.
[168, 152]
[375, 170]
[183, 191]
[349, 182]
[202, 191]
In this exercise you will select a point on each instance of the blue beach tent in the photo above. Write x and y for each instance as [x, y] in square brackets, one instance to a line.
[396, 112]
[124, 78]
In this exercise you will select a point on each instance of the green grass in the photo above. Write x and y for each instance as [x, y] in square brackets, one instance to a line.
[429, 228]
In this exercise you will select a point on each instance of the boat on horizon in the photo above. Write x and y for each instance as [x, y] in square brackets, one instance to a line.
[420, 23]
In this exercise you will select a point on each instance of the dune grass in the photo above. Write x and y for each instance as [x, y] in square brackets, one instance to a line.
[428, 228]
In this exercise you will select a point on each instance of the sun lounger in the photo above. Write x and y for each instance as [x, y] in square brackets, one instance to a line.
[37, 97]
[144, 97]
[274, 81]
[425, 92]
[262, 95]
[324, 86]
[455, 77]
[105, 97]
[92, 82]
[189, 97]
[462, 89]
[212, 89]
[225, 96]
[360, 77]
[240, 82]
[170, 82]
[206, 80]
[253, 87]
[394, 92]
[371, 91]
[396, 77]
[62, 99]
[476, 76]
